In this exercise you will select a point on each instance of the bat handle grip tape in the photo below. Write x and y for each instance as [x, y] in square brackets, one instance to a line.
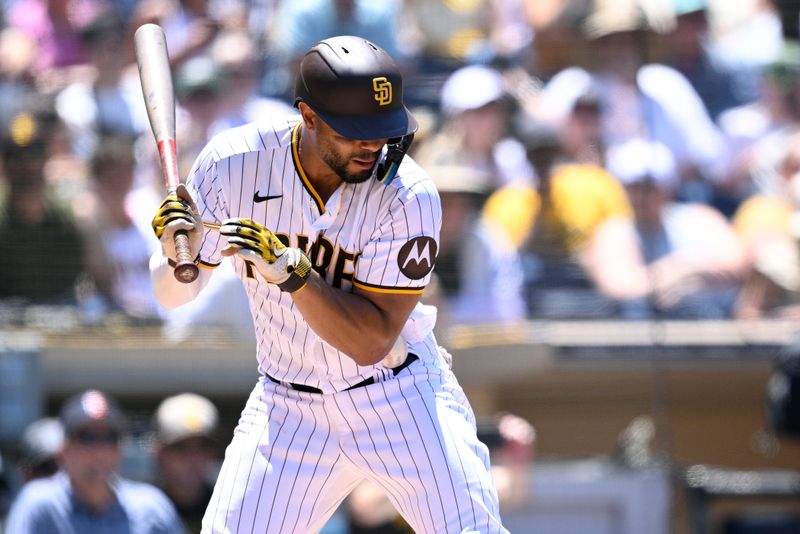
[186, 269]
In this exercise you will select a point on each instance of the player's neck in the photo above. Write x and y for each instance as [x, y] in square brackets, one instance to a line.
[322, 177]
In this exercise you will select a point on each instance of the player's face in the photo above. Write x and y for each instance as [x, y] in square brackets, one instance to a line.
[92, 455]
[353, 161]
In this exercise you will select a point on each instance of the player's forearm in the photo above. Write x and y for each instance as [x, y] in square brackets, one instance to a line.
[168, 291]
[347, 321]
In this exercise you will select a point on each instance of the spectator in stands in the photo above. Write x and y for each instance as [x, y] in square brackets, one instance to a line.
[449, 36]
[297, 26]
[694, 258]
[557, 42]
[442, 36]
[758, 133]
[511, 440]
[109, 100]
[118, 250]
[54, 25]
[768, 224]
[199, 86]
[369, 511]
[575, 231]
[581, 132]
[693, 53]
[17, 55]
[41, 246]
[235, 53]
[189, 26]
[748, 36]
[40, 447]
[639, 99]
[87, 494]
[475, 131]
[187, 454]
[472, 287]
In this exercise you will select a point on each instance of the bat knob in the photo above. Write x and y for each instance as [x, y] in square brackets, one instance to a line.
[186, 272]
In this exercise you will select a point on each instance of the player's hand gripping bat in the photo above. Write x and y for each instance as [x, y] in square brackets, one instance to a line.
[152, 59]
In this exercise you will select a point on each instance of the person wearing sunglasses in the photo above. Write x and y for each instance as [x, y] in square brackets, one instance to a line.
[87, 495]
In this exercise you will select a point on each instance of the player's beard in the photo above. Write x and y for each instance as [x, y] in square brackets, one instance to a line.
[339, 164]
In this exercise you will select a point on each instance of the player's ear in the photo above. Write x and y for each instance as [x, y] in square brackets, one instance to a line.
[309, 117]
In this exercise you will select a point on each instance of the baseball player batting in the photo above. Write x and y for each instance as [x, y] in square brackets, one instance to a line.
[334, 235]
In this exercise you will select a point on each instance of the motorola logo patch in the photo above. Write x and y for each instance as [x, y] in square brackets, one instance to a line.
[417, 257]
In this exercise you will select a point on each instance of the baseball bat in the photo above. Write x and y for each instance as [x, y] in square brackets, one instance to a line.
[152, 58]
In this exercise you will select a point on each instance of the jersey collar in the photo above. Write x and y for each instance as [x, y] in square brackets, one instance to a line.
[301, 172]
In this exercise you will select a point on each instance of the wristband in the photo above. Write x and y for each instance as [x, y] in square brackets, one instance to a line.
[298, 275]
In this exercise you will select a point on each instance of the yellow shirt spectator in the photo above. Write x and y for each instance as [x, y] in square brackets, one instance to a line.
[581, 197]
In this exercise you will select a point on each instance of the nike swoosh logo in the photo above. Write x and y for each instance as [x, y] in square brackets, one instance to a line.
[259, 198]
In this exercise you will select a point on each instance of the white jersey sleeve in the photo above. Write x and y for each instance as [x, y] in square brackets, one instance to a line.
[401, 252]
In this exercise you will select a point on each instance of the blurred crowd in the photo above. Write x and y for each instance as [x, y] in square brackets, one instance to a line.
[93, 467]
[69, 473]
[595, 158]
[630, 159]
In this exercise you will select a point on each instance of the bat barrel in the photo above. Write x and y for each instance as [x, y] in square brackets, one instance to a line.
[152, 58]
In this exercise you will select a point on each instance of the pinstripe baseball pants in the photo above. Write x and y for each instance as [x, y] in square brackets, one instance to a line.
[295, 456]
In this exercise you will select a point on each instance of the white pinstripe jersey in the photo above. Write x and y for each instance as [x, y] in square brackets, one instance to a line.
[377, 237]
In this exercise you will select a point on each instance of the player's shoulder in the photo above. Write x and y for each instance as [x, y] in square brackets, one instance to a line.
[264, 135]
[413, 181]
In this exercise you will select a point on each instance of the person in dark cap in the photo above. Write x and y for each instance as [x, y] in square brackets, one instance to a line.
[41, 246]
[87, 495]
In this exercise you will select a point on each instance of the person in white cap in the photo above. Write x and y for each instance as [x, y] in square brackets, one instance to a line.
[474, 132]
[39, 448]
[187, 454]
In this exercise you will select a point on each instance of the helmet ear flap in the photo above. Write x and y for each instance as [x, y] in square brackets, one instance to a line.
[396, 149]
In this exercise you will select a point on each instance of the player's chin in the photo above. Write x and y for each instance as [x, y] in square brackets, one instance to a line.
[357, 177]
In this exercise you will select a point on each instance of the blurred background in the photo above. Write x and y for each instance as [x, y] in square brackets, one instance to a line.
[618, 277]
